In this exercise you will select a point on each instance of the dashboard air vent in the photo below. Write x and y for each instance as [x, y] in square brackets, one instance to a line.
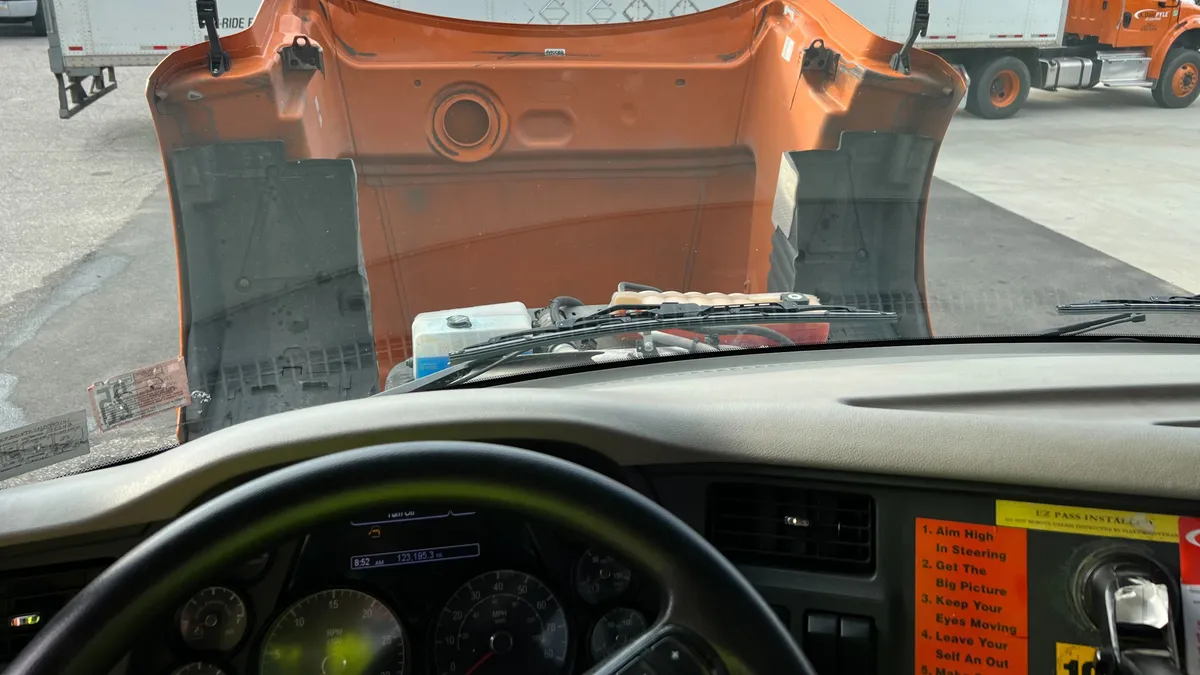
[792, 527]
[30, 597]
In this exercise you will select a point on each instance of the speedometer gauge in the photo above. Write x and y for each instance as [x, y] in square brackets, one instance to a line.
[501, 623]
[335, 632]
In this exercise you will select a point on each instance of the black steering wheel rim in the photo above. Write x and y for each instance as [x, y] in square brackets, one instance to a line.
[707, 595]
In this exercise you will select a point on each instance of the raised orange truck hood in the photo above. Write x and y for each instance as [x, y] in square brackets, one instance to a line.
[361, 164]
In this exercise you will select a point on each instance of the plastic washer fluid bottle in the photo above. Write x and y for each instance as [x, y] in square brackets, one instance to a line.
[436, 334]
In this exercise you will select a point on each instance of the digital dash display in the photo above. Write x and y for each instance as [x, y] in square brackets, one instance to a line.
[416, 556]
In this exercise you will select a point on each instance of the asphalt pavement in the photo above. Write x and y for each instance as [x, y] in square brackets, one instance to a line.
[87, 272]
[1082, 195]
[1105, 167]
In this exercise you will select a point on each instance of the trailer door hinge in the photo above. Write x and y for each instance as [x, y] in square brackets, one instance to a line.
[819, 58]
[920, 26]
[218, 59]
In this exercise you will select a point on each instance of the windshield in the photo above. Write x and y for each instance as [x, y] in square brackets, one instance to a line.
[293, 202]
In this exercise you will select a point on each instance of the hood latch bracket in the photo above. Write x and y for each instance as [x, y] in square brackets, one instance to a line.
[820, 59]
[303, 54]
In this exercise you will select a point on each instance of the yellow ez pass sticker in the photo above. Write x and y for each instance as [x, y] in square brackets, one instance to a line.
[1074, 659]
[1093, 522]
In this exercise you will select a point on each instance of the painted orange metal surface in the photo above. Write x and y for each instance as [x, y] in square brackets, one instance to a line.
[1105, 19]
[489, 171]
[1187, 21]
[1005, 88]
[1184, 80]
[1152, 25]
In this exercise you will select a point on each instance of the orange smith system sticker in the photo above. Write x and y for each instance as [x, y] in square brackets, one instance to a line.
[972, 604]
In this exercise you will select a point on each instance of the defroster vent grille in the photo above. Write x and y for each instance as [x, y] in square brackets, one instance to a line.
[792, 527]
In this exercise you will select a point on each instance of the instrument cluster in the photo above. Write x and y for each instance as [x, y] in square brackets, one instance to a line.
[436, 591]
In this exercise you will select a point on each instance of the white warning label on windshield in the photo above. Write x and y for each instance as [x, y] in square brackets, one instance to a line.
[47, 442]
[142, 393]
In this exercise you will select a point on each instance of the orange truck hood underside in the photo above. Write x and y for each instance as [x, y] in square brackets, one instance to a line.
[359, 165]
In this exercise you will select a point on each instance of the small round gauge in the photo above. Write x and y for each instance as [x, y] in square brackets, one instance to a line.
[198, 668]
[501, 623]
[213, 620]
[335, 632]
[600, 577]
[614, 630]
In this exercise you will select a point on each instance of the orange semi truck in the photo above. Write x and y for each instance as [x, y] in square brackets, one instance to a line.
[1009, 46]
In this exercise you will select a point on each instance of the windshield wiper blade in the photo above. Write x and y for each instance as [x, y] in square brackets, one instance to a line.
[618, 319]
[1095, 324]
[1154, 303]
[459, 373]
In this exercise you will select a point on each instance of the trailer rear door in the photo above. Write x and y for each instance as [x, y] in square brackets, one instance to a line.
[94, 33]
[990, 23]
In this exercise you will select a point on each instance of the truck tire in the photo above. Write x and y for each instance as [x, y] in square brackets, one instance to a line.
[1179, 82]
[39, 19]
[998, 88]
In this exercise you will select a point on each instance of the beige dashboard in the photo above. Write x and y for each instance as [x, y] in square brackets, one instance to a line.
[1108, 418]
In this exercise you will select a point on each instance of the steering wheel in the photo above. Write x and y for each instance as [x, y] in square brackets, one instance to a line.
[714, 620]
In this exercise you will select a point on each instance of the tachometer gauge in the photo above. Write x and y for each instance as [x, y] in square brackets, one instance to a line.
[213, 620]
[501, 623]
[599, 576]
[335, 632]
[198, 668]
[614, 630]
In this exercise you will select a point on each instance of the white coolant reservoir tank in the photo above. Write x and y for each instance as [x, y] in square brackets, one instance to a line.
[436, 334]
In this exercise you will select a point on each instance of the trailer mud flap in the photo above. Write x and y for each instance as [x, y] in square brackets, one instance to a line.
[849, 228]
[274, 299]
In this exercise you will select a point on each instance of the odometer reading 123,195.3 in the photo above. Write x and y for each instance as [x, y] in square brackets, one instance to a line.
[414, 556]
[335, 632]
[501, 623]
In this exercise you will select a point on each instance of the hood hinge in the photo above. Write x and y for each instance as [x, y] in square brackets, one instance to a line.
[218, 59]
